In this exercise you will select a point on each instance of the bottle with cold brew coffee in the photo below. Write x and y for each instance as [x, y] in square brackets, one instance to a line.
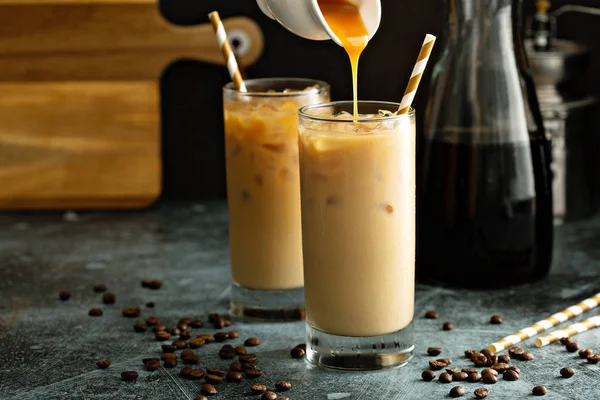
[484, 186]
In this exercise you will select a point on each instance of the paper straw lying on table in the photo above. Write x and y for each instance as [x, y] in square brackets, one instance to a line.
[545, 324]
[570, 330]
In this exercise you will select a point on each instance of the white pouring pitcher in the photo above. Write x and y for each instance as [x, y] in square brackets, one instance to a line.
[304, 17]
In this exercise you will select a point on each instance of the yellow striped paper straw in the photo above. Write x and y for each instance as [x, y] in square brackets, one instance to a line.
[232, 65]
[545, 324]
[569, 331]
[417, 74]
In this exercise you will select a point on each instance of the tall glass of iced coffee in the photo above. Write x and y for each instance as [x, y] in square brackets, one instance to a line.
[263, 190]
[358, 233]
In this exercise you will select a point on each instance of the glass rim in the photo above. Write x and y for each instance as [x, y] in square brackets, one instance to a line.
[303, 111]
[324, 87]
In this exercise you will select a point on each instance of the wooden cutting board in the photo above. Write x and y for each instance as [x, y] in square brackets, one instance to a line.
[79, 98]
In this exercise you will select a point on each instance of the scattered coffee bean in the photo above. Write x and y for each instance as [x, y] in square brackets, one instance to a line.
[168, 356]
[99, 288]
[170, 363]
[486, 352]
[481, 393]
[152, 321]
[132, 312]
[180, 344]
[185, 372]
[95, 312]
[227, 354]
[474, 377]
[129, 375]
[246, 366]
[234, 376]
[236, 366]
[428, 375]
[469, 370]
[182, 326]
[489, 379]
[233, 335]
[201, 398]
[491, 360]
[150, 304]
[196, 343]
[515, 351]
[152, 365]
[219, 323]
[566, 340]
[185, 321]
[208, 389]
[173, 331]
[214, 379]
[297, 352]
[460, 376]
[469, 353]
[268, 395]
[510, 375]
[448, 326]
[515, 368]
[162, 336]
[258, 389]
[457, 391]
[220, 336]
[147, 360]
[479, 359]
[432, 315]
[146, 282]
[253, 373]
[567, 372]
[446, 360]
[196, 374]
[283, 386]
[496, 320]
[452, 370]
[227, 321]
[445, 377]
[504, 358]
[527, 356]
[189, 357]
[253, 341]
[500, 367]
[585, 353]
[240, 350]
[301, 346]
[109, 298]
[539, 390]
[593, 359]
[437, 365]
[434, 351]
[489, 371]
[168, 348]
[151, 284]
[103, 364]
[185, 335]
[572, 347]
[207, 338]
[212, 317]
[227, 347]
[159, 327]
[196, 324]
[215, 371]
[64, 295]
[245, 358]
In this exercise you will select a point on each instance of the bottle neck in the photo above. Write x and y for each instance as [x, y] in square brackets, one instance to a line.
[482, 17]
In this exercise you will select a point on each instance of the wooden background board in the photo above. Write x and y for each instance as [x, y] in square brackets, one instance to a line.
[79, 99]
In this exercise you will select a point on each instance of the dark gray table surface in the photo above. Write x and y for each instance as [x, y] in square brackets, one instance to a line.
[48, 348]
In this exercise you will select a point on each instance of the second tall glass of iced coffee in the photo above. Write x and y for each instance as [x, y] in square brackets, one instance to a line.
[358, 232]
[263, 190]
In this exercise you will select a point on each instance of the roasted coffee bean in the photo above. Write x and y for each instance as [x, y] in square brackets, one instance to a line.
[437, 365]
[185, 320]
[213, 317]
[253, 373]
[448, 326]
[170, 363]
[428, 375]
[489, 371]
[567, 372]
[236, 366]
[481, 393]
[168, 356]
[504, 358]
[268, 395]
[474, 377]
[99, 288]
[215, 371]
[180, 344]
[469, 370]
[219, 323]
[500, 367]
[245, 358]
[515, 351]
[103, 364]
[152, 365]
[486, 352]
[539, 390]
[206, 337]
[432, 315]
[227, 354]
[162, 336]
[510, 375]
[220, 336]
[527, 356]
[168, 348]
[297, 352]
[150, 304]
[95, 312]
[152, 321]
[227, 347]
[585, 353]
[489, 379]
[185, 372]
[154, 284]
[572, 347]
[469, 353]
[187, 354]
[447, 360]
[208, 389]
[496, 320]
[201, 398]
[196, 343]
[64, 295]
[479, 359]
[240, 350]
[301, 346]
[566, 340]
[233, 334]
[515, 368]
[452, 370]
[445, 377]
[593, 359]
[214, 379]
[159, 327]
[457, 391]
[253, 341]
[182, 326]
[196, 324]
[173, 331]
[246, 366]
[258, 389]
[228, 321]
[129, 375]
[234, 376]
[185, 335]
[189, 357]
[460, 376]
[146, 282]
[491, 360]
[283, 386]
[132, 312]
[109, 298]
[196, 374]
[434, 351]
[146, 360]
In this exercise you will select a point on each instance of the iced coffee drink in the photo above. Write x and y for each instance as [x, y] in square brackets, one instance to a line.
[358, 232]
[261, 140]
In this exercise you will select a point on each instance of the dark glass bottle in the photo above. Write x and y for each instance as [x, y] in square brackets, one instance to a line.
[485, 192]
